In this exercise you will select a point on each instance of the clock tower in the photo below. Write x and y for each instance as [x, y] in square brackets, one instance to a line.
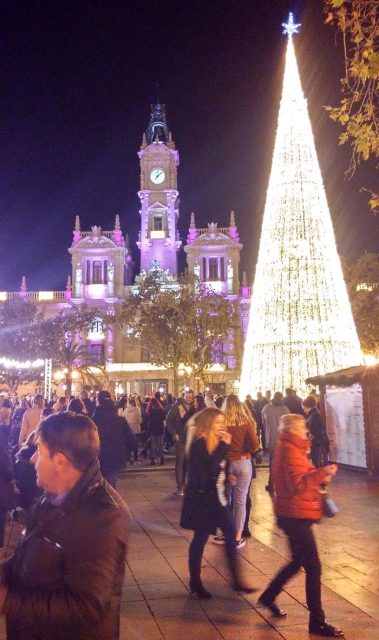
[159, 241]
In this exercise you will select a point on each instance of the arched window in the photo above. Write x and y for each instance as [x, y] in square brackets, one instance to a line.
[97, 327]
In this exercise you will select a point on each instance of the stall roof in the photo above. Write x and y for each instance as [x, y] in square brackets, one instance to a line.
[345, 377]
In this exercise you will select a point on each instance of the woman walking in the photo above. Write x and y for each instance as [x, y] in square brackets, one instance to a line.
[205, 506]
[133, 417]
[298, 505]
[244, 442]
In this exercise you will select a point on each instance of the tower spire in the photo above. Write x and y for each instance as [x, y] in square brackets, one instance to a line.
[300, 324]
[77, 234]
[157, 130]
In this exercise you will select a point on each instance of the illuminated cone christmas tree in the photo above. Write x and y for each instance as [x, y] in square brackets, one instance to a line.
[300, 322]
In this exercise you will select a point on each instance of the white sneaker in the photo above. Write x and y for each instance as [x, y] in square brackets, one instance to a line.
[241, 543]
[219, 540]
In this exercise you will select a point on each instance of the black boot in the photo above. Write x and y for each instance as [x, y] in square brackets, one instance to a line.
[243, 588]
[196, 586]
[276, 611]
[325, 629]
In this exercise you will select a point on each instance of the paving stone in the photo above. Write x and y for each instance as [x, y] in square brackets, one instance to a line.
[198, 629]
[131, 629]
[131, 594]
[184, 608]
[165, 590]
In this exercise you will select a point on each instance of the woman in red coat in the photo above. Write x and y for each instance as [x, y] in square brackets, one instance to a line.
[298, 505]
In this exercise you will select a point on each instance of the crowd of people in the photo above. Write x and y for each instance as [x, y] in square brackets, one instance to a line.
[60, 462]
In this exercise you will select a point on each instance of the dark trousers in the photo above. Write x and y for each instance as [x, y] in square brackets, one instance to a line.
[111, 477]
[319, 454]
[179, 464]
[196, 549]
[304, 554]
[270, 473]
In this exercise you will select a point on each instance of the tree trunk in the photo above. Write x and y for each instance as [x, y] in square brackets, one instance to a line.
[175, 382]
[68, 383]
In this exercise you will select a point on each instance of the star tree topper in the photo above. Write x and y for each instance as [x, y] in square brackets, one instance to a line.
[290, 27]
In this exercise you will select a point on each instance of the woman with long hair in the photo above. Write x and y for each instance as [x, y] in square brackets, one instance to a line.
[205, 506]
[132, 415]
[298, 505]
[244, 442]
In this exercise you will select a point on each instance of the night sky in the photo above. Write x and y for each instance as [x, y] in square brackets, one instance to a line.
[77, 80]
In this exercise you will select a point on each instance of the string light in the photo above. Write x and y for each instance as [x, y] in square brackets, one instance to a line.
[8, 363]
[300, 322]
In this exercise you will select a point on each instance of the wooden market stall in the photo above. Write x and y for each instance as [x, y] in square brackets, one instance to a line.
[349, 401]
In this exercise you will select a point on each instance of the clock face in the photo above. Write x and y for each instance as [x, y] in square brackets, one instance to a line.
[157, 176]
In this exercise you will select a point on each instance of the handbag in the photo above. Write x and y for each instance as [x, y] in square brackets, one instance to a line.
[329, 507]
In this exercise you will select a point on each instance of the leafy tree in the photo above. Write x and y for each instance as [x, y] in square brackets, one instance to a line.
[20, 325]
[177, 323]
[362, 279]
[25, 334]
[63, 339]
[358, 111]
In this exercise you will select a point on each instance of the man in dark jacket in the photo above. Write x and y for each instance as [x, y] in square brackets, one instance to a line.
[117, 440]
[293, 402]
[176, 421]
[316, 426]
[65, 578]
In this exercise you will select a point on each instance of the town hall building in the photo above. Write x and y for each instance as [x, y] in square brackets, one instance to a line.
[102, 272]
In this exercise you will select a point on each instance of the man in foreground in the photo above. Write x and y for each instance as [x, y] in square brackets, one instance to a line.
[65, 578]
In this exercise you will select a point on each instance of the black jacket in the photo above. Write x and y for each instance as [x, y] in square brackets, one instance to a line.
[155, 421]
[66, 575]
[204, 494]
[175, 423]
[116, 438]
[317, 429]
[293, 403]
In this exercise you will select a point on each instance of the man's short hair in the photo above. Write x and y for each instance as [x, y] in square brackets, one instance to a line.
[74, 435]
[38, 400]
[104, 397]
[310, 402]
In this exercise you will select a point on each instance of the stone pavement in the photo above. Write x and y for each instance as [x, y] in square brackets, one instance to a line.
[156, 601]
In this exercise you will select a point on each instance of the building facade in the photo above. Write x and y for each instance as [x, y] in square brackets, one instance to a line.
[102, 274]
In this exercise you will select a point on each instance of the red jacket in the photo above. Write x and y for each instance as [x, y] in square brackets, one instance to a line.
[297, 482]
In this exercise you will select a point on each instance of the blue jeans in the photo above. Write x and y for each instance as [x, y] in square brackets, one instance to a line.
[242, 470]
